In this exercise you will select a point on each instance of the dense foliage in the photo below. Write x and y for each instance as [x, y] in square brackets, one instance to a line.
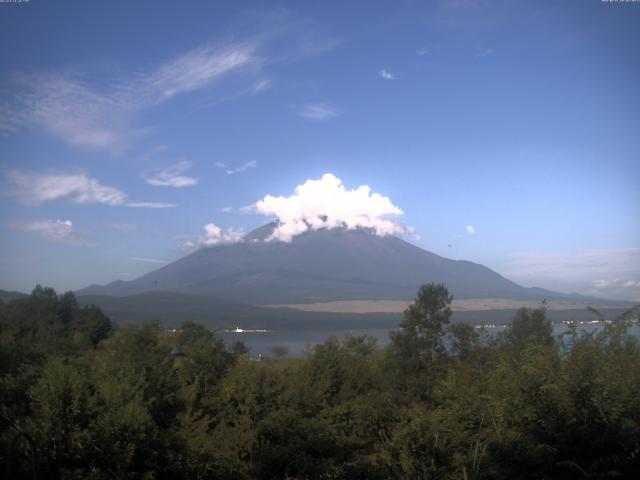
[81, 401]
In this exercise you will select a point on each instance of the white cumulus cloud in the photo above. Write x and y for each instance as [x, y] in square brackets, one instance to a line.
[171, 176]
[471, 230]
[326, 203]
[387, 75]
[214, 235]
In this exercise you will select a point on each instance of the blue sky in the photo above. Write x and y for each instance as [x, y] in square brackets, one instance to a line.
[505, 131]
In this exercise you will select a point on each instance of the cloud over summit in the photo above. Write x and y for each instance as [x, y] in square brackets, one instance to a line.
[327, 203]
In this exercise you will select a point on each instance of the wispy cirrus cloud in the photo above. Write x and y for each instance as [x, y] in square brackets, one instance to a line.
[148, 260]
[199, 68]
[65, 106]
[37, 188]
[462, 4]
[233, 170]
[33, 188]
[85, 112]
[386, 74]
[122, 227]
[151, 152]
[616, 282]
[171, 176]
[318, 112]
[101, 110]
[151, 205]
[483, 52]
[260, 86]
[58, 231]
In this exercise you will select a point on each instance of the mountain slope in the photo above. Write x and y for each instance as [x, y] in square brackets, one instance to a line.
[319, 266]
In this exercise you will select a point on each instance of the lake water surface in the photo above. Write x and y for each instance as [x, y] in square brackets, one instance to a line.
[298, 341]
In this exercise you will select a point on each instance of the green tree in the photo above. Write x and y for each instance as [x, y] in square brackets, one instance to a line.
[67, 307]
[91, 324]
[464, 339]
[61, 415]
[205, 359]
[424, 321]
[417, 346]
[531, 326]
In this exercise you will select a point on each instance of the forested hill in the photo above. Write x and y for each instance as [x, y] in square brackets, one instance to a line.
[6, 295]
[79, 400]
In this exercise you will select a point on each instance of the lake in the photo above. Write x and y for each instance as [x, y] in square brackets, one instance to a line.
[298, 341]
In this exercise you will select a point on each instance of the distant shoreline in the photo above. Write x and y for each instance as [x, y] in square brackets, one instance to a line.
[463, 305]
